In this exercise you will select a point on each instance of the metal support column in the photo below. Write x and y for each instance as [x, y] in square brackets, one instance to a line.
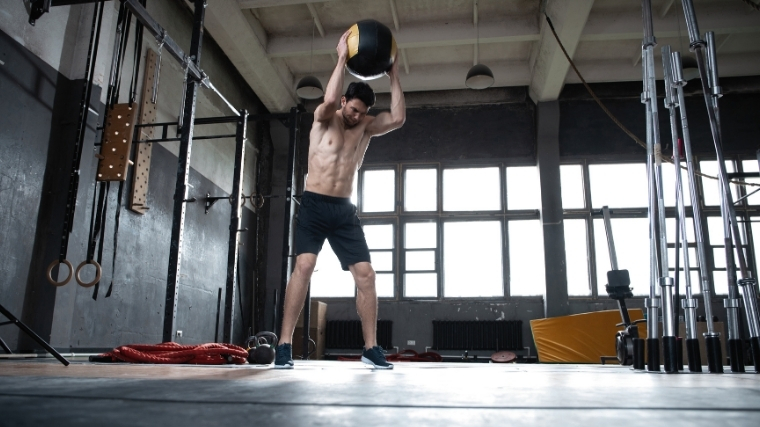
[235, 209]
[287, 235]
[183, 171]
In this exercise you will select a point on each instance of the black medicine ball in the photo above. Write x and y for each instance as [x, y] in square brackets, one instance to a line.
[371, 49]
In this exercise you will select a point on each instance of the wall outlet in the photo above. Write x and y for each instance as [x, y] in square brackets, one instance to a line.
[410, 342]
[179, 333]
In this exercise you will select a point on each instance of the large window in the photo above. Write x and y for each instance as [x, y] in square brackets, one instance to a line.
[438, 231]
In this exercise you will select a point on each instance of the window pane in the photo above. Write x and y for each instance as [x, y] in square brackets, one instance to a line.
[329, 280]
[523, 188]
[710, 187]
[669, 184]
[751, 166]
[695, 285]
[472, 259]
[384, 285]
[420, 260]
[355, 192]
[420, 235]
[571, 182]
[619, 185]
[693, 261]
[526, 258]
[720, 283]
[576, 257]
[474, 189]
[631, 237]
[382, 261]
[379, 236]
[379, 193]
[716, 233]
[421, 285]
[670, 230]
[420, 190]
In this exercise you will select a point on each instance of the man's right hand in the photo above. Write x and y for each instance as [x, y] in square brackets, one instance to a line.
[343, 45]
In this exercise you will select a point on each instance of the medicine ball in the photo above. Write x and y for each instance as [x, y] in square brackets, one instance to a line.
[371, 49]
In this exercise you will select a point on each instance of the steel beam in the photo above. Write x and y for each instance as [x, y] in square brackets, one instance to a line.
[183, 172]
[232, 253]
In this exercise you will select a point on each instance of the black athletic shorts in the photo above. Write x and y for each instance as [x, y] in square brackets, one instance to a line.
[323, 217]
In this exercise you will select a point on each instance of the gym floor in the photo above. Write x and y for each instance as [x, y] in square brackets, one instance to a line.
[41, 391]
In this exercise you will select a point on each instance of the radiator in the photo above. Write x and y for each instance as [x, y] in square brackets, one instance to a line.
[477, 335]
[347, 334]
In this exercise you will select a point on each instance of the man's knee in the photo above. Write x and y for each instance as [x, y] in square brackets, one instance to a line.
[305, 264]
[364, 274]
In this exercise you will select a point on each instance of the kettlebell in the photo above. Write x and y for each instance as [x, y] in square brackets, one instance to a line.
[261, 348]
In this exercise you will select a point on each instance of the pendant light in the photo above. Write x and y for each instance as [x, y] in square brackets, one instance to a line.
[310, 87]
[479, 76]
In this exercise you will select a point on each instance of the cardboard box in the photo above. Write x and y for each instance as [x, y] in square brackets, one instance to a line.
[317, 334]
[317, 316]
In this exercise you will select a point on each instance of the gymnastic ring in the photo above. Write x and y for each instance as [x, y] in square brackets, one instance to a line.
[50, 272]
[98, 272]
[259, 200]
[242, 200]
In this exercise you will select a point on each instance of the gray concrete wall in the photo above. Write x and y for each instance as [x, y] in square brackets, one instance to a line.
[40, 80]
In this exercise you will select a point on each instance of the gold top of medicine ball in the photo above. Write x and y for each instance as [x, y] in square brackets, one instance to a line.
[353, 41]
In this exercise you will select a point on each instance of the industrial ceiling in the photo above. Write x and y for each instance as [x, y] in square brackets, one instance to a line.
[270, 41]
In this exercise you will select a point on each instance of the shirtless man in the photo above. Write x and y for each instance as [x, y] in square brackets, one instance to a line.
[338, 141]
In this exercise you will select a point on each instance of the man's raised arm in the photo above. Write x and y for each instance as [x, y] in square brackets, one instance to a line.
[329, 105]
[386, 122]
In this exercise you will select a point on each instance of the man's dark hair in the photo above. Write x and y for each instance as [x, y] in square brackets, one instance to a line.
[362, 91]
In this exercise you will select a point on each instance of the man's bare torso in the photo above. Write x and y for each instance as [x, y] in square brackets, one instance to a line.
[335, 154]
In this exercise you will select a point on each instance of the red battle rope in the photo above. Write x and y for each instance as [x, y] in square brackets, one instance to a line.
[173, 353]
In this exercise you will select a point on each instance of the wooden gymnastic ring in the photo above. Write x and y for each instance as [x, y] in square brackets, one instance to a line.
[50, 272]
[98, 272]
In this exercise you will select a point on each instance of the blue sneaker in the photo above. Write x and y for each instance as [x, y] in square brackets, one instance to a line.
[375, 356]
[283, 358]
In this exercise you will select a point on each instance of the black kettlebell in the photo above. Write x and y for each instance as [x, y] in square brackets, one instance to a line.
[261, 348]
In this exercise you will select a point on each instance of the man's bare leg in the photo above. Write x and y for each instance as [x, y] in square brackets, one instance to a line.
[366, 301]
[295, 294]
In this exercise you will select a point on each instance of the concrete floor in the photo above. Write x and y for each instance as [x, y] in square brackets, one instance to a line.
[43, 392]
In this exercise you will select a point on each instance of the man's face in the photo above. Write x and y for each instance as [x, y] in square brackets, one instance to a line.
[353, 111]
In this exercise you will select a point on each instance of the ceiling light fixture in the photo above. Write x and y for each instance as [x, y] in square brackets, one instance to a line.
[479, 76]
[310, 87]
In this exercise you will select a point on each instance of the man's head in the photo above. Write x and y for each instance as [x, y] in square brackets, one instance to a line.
[355, 104]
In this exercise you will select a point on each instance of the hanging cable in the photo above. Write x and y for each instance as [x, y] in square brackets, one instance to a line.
[612, 116]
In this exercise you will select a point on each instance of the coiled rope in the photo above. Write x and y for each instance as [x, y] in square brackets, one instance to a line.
[173, 353]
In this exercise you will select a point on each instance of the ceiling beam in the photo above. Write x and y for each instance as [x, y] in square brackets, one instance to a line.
[550, 66]
[721, 18]
[315, 17]
[394, 13]
[597, 71]
[232, 32]
[435, 77]
[255, 4]
[517, 29]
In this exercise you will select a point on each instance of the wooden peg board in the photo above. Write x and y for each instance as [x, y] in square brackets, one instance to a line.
[117, 143]
[138, 201]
